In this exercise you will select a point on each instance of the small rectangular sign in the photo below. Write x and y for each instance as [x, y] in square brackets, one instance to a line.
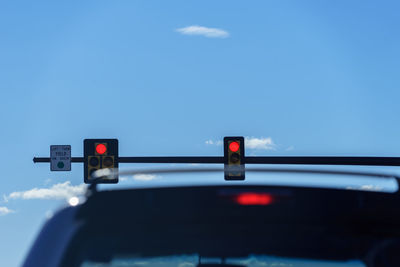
[60, 158]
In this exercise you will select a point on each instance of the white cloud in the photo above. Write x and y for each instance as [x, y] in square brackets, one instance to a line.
[263, 143]
[211, 142]
[144, 177]
[57, 191]
[5, 211]
[259, 143]
[204, 31]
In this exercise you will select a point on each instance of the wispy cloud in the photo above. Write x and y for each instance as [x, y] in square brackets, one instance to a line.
[139, 177]
[203, 31]
[5, 211]
[57, 191]
[144, 177]
[262, 143]
[211, 142]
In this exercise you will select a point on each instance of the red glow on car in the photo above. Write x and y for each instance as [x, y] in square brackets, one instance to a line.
[254, 199]
[101, 149]
[234, 146]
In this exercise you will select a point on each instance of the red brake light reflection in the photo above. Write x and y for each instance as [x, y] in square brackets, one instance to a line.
[254, 199]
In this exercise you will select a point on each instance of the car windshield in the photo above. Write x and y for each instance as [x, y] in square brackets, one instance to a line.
[196, 260]
[202, 244]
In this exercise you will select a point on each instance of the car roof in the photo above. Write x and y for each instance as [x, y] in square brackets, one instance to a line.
[211, 198]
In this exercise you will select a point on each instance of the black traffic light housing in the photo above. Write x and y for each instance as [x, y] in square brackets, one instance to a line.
[100, 154]
[234, 165]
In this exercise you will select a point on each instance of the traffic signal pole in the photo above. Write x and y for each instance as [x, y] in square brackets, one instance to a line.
[306, 160]
[45, 160]
[102, 154]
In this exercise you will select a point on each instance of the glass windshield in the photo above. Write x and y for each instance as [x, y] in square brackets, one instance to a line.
[195, 260]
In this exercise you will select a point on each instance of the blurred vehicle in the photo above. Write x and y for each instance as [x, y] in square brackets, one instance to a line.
[229, 224]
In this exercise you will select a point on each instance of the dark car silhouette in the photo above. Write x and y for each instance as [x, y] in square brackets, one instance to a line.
[224, 225]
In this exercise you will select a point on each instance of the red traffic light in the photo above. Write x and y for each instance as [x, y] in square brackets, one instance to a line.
[234, 146]
[234, 157]
[101, 149]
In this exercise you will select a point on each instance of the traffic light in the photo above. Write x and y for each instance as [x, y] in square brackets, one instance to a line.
[100, 154]
[234, 158]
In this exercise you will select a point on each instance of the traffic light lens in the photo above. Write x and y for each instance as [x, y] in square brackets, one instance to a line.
[108, 162]
[235, 158]
[234, 146]
[101, 149]
[94, 161]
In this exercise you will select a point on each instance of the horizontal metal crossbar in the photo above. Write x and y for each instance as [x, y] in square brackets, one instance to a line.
[361, 161]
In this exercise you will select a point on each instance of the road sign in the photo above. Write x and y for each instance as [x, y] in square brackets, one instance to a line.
[60, 158]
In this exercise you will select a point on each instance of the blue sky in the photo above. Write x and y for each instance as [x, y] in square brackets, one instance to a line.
[166, 77]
